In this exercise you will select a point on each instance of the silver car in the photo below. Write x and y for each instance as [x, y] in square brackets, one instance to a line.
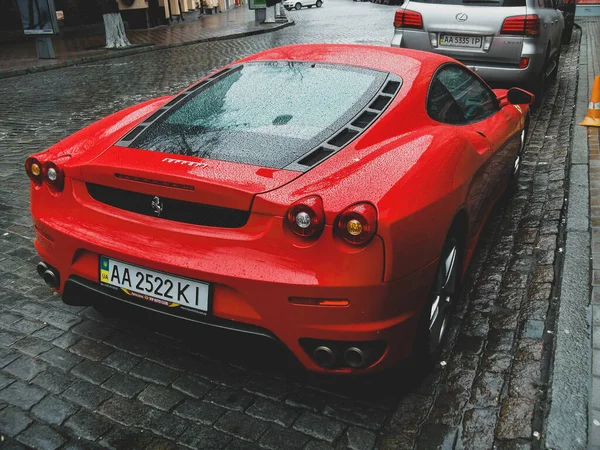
[514, 41]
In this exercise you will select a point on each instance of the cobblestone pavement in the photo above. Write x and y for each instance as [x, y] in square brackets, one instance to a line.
[18, 56]
[71, 378]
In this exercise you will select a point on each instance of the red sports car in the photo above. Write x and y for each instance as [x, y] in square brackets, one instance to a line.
[325, 196]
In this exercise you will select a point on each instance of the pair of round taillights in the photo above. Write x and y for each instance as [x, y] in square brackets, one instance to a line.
[356, 225]
[48, 172]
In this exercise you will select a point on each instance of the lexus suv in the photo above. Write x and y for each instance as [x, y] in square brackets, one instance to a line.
[504, 41]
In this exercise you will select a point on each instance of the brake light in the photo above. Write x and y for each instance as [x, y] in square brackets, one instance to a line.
[357, 224]
[408, 19]
[34, 170]
[527, 25]
[54, 176]
[306, 217]
[523, 63]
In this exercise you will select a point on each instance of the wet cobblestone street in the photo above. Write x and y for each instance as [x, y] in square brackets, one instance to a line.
[70, 378]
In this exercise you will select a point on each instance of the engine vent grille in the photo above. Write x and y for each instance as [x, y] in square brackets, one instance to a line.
[353, 129]
[170, 209]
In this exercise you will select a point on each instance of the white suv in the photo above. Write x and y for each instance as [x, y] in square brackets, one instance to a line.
[297, 4]
[506, 41]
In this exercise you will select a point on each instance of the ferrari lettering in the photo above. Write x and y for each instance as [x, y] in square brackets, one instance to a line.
[184, 162]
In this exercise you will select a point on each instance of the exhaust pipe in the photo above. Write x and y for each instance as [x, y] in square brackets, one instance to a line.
[324, 356]
[355, 357]
[51, 278]
[41, 268]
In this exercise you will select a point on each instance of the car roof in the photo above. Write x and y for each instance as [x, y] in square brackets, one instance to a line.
[405, 63]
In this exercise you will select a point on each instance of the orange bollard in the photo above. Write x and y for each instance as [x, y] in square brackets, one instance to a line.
[593, 116]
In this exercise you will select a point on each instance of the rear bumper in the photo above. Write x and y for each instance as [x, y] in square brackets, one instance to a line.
[251, 279]
[483, 63]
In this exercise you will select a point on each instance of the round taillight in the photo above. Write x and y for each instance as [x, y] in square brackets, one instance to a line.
[34, 170]
[54, 176]
[306, 217]
[357, 224]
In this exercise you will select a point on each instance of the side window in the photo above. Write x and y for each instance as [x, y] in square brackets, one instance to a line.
[441, 106]
[541, 3]
[474, 98]
[549, 4]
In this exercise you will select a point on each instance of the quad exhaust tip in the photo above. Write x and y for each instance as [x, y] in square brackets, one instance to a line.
[41, 268]
[355, 357]
[324, 356]
[49, 274]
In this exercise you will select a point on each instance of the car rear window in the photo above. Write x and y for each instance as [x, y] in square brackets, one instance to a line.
[266, 114]
[474, 2]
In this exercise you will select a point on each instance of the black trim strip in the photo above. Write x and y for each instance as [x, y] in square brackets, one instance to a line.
[81, 292]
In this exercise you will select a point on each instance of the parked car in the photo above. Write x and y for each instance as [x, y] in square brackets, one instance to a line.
[289, 4]
[568, 8]
[337, 218]
[506, 41]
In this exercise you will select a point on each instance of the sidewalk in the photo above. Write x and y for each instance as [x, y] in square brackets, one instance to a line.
[593, 137]
[21, 58]
[574, 413]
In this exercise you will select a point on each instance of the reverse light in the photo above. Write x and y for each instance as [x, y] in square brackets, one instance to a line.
[34, 170]
[357, 224]
[405, 18]
[54, 176]
[433, 40]
[306, 217]
[526, 25]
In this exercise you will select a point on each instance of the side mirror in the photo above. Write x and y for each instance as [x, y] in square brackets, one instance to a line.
[518, 96]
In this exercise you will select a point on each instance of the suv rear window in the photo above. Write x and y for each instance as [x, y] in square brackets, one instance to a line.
[474, 2]
[267, 114]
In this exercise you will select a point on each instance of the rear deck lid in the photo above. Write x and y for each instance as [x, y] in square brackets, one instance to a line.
[247, 130]
[266, 114]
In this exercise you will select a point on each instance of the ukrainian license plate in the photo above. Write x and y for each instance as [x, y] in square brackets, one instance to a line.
[449, 40]
[157, 287]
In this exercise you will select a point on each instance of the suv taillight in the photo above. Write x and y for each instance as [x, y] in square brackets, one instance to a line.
[408, 19]
[357, 224]
[306, 217]
[527, 25]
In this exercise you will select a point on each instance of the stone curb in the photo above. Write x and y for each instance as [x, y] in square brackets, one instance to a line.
[138, 50]
[567, 421]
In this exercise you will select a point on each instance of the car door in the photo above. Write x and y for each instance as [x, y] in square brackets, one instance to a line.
[476, 110]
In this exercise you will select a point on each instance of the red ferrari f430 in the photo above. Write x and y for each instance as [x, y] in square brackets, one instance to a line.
[328, 197]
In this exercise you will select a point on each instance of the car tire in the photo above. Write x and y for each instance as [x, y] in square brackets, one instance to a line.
[298, 6]
[319, 3]
[567, 33]
[444, 294]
